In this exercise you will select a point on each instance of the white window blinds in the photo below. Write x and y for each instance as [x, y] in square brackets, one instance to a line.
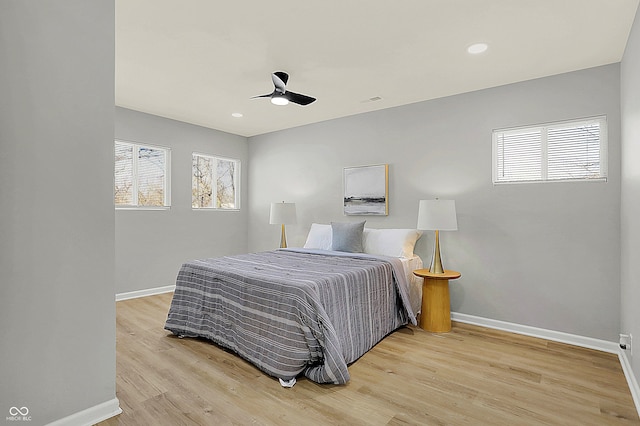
[151, 176]
[215, 183]
[141, 175]
[123, 182]
[566, 151]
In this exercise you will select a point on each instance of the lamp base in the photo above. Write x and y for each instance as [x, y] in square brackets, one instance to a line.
[283, 239]
[436, 260]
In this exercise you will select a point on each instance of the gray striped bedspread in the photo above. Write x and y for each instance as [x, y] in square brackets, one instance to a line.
[292, 311]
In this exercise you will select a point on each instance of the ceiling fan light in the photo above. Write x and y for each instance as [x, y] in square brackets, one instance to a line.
[279, 100]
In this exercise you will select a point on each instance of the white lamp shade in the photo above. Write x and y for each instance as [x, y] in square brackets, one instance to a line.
[282, 214]
[437, 215]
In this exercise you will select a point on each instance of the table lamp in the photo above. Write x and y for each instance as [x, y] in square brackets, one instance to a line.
[437, 215]
[283, 213]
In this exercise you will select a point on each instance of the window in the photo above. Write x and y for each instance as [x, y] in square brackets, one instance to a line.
[141, 176]
[564, 151]
[215, 183]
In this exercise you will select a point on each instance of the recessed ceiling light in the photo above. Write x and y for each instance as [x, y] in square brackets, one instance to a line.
[372, 99]
[477, 48]
[236, 114]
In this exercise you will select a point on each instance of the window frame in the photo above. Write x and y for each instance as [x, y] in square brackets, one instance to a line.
[167, 177]
[237, 182]
[544, 160]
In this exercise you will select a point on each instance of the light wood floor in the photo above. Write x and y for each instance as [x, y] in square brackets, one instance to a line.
[470, 376]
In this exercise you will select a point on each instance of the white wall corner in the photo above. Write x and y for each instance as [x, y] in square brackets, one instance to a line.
[144, 293]
[91, 415]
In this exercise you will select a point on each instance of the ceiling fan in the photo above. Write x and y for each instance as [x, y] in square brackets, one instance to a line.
[280, 94]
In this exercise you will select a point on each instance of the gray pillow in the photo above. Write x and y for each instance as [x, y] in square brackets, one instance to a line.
[347, 236]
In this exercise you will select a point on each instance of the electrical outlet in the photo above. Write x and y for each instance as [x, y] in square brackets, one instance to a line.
[625, 341]
[630, 344]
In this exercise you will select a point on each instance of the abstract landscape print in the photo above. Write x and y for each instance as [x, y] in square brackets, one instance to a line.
[366, 190]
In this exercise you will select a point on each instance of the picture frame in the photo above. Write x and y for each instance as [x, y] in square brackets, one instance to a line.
[366, 190]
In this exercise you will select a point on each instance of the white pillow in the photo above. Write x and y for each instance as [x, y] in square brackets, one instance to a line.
[319, 237]
[390, 242]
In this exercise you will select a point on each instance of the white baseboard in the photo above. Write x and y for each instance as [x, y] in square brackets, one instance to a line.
[92, 415]
[631, 379]
[556, 336]
[146, 292]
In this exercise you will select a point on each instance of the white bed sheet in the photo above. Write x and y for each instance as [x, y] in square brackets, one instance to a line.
[415, 283]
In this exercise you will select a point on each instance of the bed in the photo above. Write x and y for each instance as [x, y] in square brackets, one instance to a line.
[311, 310]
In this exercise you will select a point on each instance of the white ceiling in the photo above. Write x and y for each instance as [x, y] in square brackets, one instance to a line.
[199, 61]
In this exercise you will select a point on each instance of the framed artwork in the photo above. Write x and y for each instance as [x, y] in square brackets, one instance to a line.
[366, 190]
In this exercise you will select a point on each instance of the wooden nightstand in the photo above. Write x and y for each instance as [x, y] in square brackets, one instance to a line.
[436, 308]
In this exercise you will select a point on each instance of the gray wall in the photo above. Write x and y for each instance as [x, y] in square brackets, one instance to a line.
[57, 315]
[544, 255]
[630, 100]
[151, 245]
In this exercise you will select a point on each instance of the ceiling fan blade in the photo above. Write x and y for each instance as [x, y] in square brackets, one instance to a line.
[282, 76]
[268, 95]
[280, 79]
[299, 99]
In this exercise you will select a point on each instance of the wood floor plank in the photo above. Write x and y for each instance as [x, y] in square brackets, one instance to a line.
[469, 376]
